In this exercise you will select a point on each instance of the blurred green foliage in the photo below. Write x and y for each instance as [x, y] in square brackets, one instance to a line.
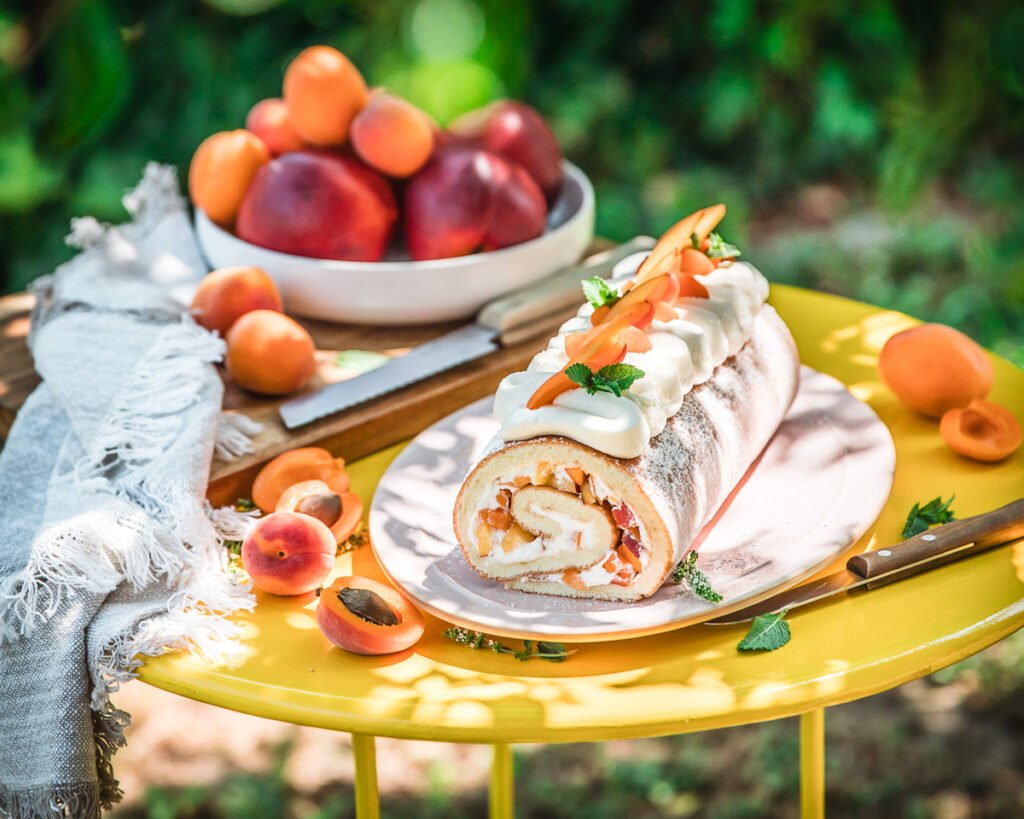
[871, 148]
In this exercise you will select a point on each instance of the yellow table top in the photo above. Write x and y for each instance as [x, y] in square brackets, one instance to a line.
[688, 680]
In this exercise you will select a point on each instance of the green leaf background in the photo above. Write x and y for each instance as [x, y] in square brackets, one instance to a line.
[870, 148]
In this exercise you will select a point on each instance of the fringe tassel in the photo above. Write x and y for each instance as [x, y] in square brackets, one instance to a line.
[67, 801]
[235, 432]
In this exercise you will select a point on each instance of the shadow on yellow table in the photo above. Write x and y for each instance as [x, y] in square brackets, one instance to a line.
[689, 680]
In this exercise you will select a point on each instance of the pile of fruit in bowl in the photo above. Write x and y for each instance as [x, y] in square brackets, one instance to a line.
[363, 209]
[329, 170]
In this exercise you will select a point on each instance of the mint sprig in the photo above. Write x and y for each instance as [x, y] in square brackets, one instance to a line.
[718, 248]
[932, 513]
[686, 571]
[541, 650]
[613, 378]
[767, 633]
[598, 292]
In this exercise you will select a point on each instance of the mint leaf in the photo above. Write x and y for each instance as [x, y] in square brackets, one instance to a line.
[718, 248]
[767, 633]
[932, 513]
[598, 292]
[579, 374]
[686, 571]
[613, 378]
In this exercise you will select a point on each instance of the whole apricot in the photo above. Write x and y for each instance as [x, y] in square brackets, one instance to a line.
[221, 170]
[287, 553]
[323, 91]
[268, 119]
[392, 136]
[269, 353]
[933, 368]
[224, 295]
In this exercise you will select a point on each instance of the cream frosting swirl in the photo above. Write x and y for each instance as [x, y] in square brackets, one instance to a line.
[684, 353]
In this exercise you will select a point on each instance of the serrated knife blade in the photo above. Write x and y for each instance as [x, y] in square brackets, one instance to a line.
[450, 350]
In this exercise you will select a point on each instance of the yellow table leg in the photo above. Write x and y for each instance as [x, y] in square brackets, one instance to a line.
[501, 783]
[812, 764]
[367, 797]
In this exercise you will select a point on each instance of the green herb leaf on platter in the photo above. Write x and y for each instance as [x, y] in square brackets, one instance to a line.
[718, 248]
[598, 292]
[767, 633]
[542, 650]
[686, 571]
[245, 505]
[935, 512]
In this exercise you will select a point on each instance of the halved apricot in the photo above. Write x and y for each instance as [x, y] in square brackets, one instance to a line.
[289, 468]
[340, 512]
[366, 617]
[983, 431]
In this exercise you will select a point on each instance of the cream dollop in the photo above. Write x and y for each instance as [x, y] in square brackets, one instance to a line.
[684, 352]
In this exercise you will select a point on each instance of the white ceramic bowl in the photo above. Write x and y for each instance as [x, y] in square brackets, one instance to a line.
[400, 291]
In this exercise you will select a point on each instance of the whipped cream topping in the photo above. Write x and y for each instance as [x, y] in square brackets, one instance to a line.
[684, 353]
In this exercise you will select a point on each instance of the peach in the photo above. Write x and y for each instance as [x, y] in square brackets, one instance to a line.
[517, 132]
[341, 512]
[392, 136]
[286, 553]
[268, 119]
[295, 466]
[222, 168]
[269, 353]
[933, 369]
[366, 617]
[224, 295]
[466, 200]
[323, 91]
[319, 204]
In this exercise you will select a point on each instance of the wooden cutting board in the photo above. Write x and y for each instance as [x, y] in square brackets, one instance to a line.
[351, 434]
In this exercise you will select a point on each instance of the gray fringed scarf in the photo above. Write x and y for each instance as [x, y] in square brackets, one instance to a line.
[107, 548]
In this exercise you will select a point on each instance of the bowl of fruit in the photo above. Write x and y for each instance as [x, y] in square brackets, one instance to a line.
[364, 210]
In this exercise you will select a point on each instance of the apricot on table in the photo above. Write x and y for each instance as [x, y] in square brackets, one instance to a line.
[341, 512]
[323, 91]
[392, 136]
[308, 463]
[287, 553]
[221, 170]
[268, 119]
[225, 295]
[269, 353]
[983, 430]
[366, 617]
[933, 368]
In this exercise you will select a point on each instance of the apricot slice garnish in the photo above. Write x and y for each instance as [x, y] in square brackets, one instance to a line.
[366, 617]
[983, 430]
[294, 466]
[700, 223]
[602, 346]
